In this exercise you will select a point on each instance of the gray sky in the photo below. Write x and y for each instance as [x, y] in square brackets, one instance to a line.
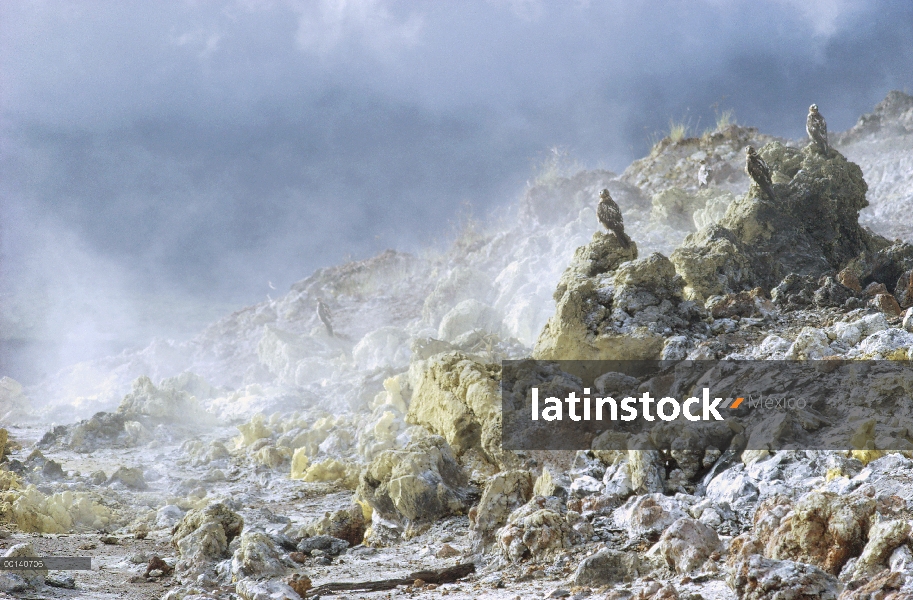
[200, 149]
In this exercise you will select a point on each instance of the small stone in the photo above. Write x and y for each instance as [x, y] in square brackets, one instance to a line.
[298, 557]
[300, 583]
[559, 593]
[155, 573]
[447, 551]
[157, 564]
[60, 580]
[110, 540]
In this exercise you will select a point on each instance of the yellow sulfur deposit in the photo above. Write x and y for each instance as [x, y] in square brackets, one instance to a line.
[300, 463]
[346, 474]
[32, 511]
[253, 431]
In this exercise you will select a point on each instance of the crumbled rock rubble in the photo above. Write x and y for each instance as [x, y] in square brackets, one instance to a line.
[270, 455]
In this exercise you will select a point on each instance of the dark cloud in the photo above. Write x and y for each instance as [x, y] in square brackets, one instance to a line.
[202, 149]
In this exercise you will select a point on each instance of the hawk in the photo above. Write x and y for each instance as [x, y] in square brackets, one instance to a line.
[610, 216]
[816, 127]
[325, 316]
[758, 171]
[704, 174]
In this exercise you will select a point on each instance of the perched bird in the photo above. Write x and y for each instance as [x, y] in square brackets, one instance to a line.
[610, 216]
[326, 317]
[816, 127]
[758, 171]
[704, 174]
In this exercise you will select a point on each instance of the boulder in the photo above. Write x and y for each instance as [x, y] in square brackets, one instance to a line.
[760, 578]
[687, 544]
[347, 524]
[536, 529]
[257, 557]
[418, 484]
[607, 567]
[203, 534]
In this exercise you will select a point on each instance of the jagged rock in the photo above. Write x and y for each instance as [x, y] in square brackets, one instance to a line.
[257, 557]
[712, 263]
[420, 483]
[886, 303]
[647, 515]
[607, 567]
[646, 470]
[503, 493]
[849, 280]
[885, 265]
[888, 344]
[810, 344]
[741, 304]
[760, 578]
[459, 398]
[584, 302]
[733, 486]
[884, 586]
[347, 524]
[903, 290]
[204, 534]
[883, 538]
[822, 529]
[551, 484]
[300, 583]
[537, 528]
[687, 544]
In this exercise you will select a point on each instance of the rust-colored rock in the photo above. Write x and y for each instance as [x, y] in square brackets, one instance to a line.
[887, 304]
[849, 279]
[300, 583]
[875, 288]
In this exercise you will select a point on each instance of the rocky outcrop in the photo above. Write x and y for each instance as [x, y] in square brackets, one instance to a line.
[458, 398]
[761, 240]
[612, 306]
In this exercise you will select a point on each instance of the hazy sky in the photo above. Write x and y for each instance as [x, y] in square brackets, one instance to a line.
[202, 149]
